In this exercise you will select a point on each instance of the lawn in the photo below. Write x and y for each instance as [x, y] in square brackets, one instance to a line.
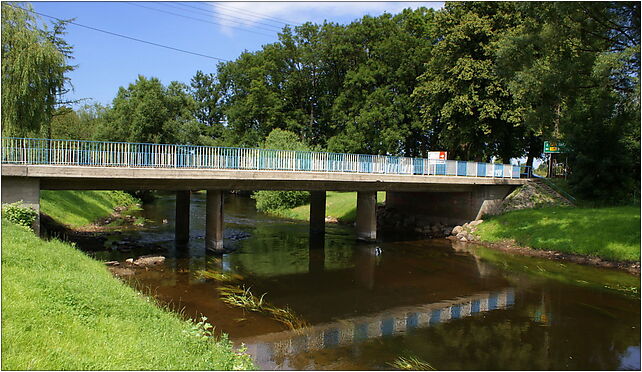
[79, 208]
[611, 233]
[340, 205]
[63, 310]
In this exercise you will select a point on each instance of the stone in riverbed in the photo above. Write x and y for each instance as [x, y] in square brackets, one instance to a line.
[456, 230]
[145, 261]
[112, 263]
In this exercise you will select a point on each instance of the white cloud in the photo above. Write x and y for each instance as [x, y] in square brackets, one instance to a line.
[265, 16]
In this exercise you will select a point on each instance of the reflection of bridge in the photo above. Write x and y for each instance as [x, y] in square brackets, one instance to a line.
[30, 165]
[392, 322]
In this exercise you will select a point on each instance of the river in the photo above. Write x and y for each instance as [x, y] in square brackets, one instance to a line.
[450, 305]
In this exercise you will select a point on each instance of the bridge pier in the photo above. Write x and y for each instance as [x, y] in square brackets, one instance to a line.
[214, 221]
[317, 214]
[25, 189]
[181, 223]
[367, 215]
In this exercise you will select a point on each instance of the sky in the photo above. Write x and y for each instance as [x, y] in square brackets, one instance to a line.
[216, 29]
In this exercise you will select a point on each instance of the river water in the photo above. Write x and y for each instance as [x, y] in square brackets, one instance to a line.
[451, 305]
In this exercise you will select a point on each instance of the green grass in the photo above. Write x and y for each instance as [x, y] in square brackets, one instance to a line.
[79, 208]
[63, 310]
[611, 233]
[340, 205]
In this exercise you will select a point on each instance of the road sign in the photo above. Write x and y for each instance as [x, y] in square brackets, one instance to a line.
[437, 155]
[554, 147]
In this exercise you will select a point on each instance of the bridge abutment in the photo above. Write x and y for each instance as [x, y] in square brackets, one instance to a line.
[25, 189]
[214, 221]
[181, 223]
[317, 213]
[366, 215]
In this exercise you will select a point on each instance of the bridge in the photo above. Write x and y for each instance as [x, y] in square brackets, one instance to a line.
[30, 165]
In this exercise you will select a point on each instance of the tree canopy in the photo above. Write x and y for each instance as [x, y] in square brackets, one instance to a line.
[34, 68]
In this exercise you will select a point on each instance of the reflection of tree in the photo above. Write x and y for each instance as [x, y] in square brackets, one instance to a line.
[276, 249]
[577, 337]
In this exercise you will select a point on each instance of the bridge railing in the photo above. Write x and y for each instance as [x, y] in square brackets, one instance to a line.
[147, 155]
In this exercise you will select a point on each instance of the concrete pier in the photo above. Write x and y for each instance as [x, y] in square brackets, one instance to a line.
[181, 224]
[214, 221]
[367, 215]
[25, 189]
[317, 213]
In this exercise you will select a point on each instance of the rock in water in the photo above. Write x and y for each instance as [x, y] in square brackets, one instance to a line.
[145, 261]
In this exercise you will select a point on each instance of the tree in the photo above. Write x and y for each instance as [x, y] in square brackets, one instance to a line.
[34, 68]
[464, 101]
[147, 111]
[77, 124]
[205, 93]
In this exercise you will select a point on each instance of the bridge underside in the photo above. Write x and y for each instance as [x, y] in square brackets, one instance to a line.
[24, 182]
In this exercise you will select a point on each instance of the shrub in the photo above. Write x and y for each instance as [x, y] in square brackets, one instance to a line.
[267, 201]
[19, 215]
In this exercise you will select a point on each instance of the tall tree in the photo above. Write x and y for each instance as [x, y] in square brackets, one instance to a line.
[147, 111]
[205, 92]
[464, 101]
[34, 68]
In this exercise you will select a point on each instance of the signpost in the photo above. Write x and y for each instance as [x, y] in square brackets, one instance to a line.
[553, 147]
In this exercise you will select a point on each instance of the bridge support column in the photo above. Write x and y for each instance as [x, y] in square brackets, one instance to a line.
[25, 189]
[214, 221]
[181, 223]
[317, 213]
[367, 215]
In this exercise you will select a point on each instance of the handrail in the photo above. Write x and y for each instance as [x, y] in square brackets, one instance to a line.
[558, 189]
[150, 155]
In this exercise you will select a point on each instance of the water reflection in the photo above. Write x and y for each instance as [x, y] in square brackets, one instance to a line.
[450, 305]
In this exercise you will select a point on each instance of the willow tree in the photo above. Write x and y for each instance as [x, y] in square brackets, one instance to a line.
[34, 64]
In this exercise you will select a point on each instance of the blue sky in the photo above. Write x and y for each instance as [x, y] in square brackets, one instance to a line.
[223, 30]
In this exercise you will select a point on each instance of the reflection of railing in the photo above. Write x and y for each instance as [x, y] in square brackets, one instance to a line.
[147, 155]
[389, 323]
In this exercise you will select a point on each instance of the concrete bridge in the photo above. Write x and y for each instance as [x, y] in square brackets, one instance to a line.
[460, 190]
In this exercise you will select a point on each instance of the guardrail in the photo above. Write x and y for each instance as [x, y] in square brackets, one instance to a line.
[147, 155]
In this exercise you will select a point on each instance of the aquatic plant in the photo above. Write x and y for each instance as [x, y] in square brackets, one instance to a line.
[219, 276]
[411, 363]
[243, 298]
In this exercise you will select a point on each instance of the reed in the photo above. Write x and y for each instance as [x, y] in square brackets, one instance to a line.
[242, 297]
[411, 363]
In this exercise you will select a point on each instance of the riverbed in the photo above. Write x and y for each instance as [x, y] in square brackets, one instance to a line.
[448, 305]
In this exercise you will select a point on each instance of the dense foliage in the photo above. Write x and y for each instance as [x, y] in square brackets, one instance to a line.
[20, 215]
[34, 67]
[481, 80]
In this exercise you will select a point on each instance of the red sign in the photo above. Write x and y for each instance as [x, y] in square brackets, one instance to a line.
[437, 155]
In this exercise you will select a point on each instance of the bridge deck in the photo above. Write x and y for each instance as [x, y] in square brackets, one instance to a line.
[91, 178]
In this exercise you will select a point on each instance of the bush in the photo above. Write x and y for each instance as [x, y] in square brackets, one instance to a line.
[267, 201]
[19, 215]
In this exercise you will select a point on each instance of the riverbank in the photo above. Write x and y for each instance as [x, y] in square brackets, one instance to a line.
[51, 318]
[81, 210]
[341, 207]
[605, 237]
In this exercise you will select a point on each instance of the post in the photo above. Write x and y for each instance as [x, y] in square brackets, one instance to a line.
[214, 221]
[317, 213]
[367, 215]
[181, 223]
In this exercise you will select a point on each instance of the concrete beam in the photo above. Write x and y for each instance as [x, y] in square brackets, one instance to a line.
[181, 223]
[317, 213]
[85, 178]
[367, 215]
[214, 221]
[25, 189]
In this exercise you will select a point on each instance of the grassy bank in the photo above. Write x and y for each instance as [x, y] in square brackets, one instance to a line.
[52, 320]
[339, 205]
[79, 208]
[610, 233]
